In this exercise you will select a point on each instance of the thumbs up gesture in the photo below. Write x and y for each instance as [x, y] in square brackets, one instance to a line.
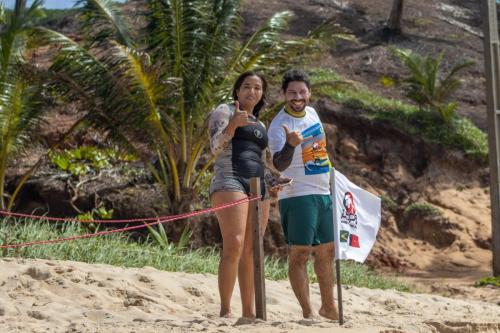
[293, 138]
[240, 117]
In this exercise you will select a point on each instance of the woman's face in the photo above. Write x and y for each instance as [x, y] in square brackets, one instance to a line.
[250, 93]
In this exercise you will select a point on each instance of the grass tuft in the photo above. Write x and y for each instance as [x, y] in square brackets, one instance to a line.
[489, 281]
[119, 250]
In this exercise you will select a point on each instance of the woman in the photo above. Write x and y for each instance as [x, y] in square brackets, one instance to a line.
[238, 140]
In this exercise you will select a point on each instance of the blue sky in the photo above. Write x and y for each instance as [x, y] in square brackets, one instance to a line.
[52, 4]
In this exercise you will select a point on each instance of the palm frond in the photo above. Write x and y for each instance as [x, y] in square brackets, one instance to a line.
[103, 20]
[141, 82]
[451, 83]
[3, 15]
[13, 40]
[19, 113]
[264, 38]
[74, 61]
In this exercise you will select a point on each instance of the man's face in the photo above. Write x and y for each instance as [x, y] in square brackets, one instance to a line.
[297, 95]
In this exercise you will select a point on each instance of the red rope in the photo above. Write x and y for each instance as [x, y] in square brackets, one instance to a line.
[64, 219]
[158, 220]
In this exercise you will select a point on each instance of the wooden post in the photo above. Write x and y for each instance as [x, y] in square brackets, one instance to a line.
[258, 251]
[492, 71]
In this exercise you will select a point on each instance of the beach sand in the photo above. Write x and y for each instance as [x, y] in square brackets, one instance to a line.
[66, 296]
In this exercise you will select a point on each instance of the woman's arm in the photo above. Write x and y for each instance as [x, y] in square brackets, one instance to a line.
[219, 128]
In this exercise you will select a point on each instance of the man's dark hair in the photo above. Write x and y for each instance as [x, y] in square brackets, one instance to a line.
[237, 85]
[295, 75]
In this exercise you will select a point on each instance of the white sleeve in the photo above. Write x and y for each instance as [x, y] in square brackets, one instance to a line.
[219, 119]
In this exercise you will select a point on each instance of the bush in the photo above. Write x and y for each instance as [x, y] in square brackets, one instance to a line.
[422, 208]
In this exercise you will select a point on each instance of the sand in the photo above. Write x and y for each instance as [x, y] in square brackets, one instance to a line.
[66, 296]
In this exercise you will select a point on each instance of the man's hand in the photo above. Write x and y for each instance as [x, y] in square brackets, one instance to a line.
[276, 185]
[293, 138]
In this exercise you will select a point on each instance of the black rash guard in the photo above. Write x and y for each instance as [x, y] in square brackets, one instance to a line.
[240, 157]
[248, 143]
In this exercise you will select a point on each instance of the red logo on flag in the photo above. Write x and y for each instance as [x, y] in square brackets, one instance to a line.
[349, 215]
[353, 240]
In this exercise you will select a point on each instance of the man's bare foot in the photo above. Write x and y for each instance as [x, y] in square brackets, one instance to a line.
[331, 313]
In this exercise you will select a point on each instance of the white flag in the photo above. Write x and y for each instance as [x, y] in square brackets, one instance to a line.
[356, 218]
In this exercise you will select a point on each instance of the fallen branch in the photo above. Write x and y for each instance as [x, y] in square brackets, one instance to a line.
[461, 25]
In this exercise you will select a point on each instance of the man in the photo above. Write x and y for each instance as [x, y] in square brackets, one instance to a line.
[298, 145]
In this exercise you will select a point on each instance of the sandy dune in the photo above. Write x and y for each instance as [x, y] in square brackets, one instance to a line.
[64, 296]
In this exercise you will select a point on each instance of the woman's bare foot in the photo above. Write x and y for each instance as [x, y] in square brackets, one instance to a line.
[309, 315]
[249, 316]
[226, 314]
[330, 313]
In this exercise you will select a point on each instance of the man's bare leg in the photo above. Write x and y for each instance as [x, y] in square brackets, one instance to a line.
[323, 266]
[297, 273]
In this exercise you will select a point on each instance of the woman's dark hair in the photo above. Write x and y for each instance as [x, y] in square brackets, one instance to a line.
[295, 75]
[237, 85]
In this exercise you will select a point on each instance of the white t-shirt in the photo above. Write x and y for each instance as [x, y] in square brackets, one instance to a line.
[310, 167]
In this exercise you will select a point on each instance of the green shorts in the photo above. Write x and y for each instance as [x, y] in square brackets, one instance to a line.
[307, 220]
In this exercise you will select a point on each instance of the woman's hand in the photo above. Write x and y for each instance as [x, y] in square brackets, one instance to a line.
[239, 119]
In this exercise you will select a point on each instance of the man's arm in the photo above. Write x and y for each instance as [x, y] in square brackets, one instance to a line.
[283, 158]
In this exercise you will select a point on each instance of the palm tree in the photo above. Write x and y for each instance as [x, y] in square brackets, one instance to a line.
[155, 97]
[19, 103]
[428, 86]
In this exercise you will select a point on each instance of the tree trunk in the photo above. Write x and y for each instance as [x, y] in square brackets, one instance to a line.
[393, 26]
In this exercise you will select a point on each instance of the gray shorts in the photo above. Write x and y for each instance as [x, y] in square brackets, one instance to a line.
[225, 183]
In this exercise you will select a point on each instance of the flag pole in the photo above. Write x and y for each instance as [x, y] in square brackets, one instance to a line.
[337, 248]
[339, 292]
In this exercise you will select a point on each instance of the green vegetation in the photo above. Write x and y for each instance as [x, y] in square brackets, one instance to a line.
[459, 133]
[489, 281]
[116, 250]
[100, 213]
[388, 203]
[20, 86]
[425, 85]
[422, 208]
[362, 276]
[87, 159]
[159, 235]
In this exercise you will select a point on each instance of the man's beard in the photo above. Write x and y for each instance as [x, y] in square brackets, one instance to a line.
[302, 102]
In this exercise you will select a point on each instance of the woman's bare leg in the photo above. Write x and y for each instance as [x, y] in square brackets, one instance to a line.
[245, 269]
[232, 222]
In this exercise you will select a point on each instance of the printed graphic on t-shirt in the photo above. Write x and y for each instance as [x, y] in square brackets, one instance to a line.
[314, 153]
